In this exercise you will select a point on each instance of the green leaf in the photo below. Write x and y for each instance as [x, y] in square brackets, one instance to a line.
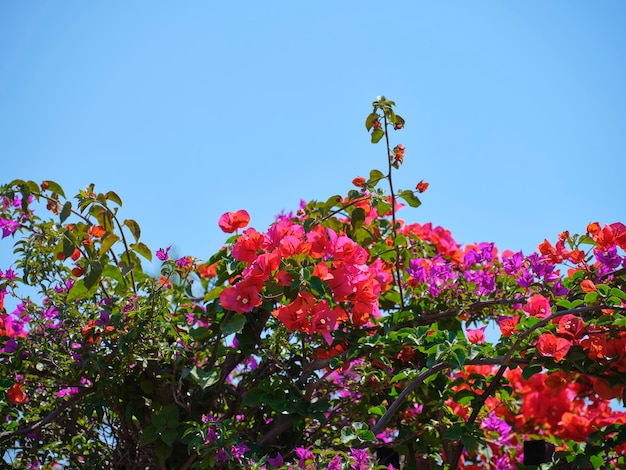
[357, 218]
[169, 435]
[531, 370]
[377, 410]
[54, 187]
[254, 397]
[203, 378]
[597, 461]
[107, 242]
[69, 244]
[78, 290]
[142, 249]
[149, 435]
[162, 451]
[234, 325]
[93, 271]
[347, 434]
[112, 196]
[618, 293]
[377, 135]
[134, 228]
[375, 177]
[66, 211]
[369, 121]
[411, 199]
[455, 432]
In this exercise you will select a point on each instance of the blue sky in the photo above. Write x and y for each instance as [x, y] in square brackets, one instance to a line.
[515, 111]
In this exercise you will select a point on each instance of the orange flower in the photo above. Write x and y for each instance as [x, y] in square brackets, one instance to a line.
[87, 241]
[588, 286]
[593, 228]
[16, 395]
[577, 256]
[421, 186]
[96, 231]
[207, 271]
[78, 271]
[359, 181]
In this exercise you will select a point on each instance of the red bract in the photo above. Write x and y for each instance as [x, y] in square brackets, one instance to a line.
[241, 298]
[248, 245]
[550, 345]
[507, 325]
[16, 395]
[571, 327]
[538, 306]
[233, 221]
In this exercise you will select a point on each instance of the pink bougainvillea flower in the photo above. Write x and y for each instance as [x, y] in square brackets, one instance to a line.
[476, 335]
[233, 221]
[323, 321]
[550, 345]
[538, 306]
[241, 298]
[16, 395]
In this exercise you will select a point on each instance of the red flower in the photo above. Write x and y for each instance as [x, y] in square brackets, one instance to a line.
[507, 325]
[241, 298]
[571, 327]
[359, 181]
[233, 221]
[16, 395]
[538, 306]
[550, 345]
[421, 186]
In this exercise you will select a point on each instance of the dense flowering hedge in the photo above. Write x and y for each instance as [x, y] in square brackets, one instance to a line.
[340, 337]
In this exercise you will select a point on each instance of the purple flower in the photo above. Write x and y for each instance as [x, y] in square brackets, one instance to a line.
[513, 263]
[10, 346]
[8, 227]
[276, 461]
[526, 279]
[608, 257]
[238, 450]
[221, 456]
[417, 270]
[558, 289]
[304, 455]
[10, 275]
[494, 424]
[66, 392]
[335, 463]
[360, 459]
[163, 254]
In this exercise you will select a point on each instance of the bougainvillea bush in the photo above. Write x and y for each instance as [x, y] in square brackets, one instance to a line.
[339, 337]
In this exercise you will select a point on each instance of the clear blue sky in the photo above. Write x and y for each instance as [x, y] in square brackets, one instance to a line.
[516, 111]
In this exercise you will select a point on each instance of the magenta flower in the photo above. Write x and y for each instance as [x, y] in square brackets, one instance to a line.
[163, 254]
[276, 461]
[8, 227]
